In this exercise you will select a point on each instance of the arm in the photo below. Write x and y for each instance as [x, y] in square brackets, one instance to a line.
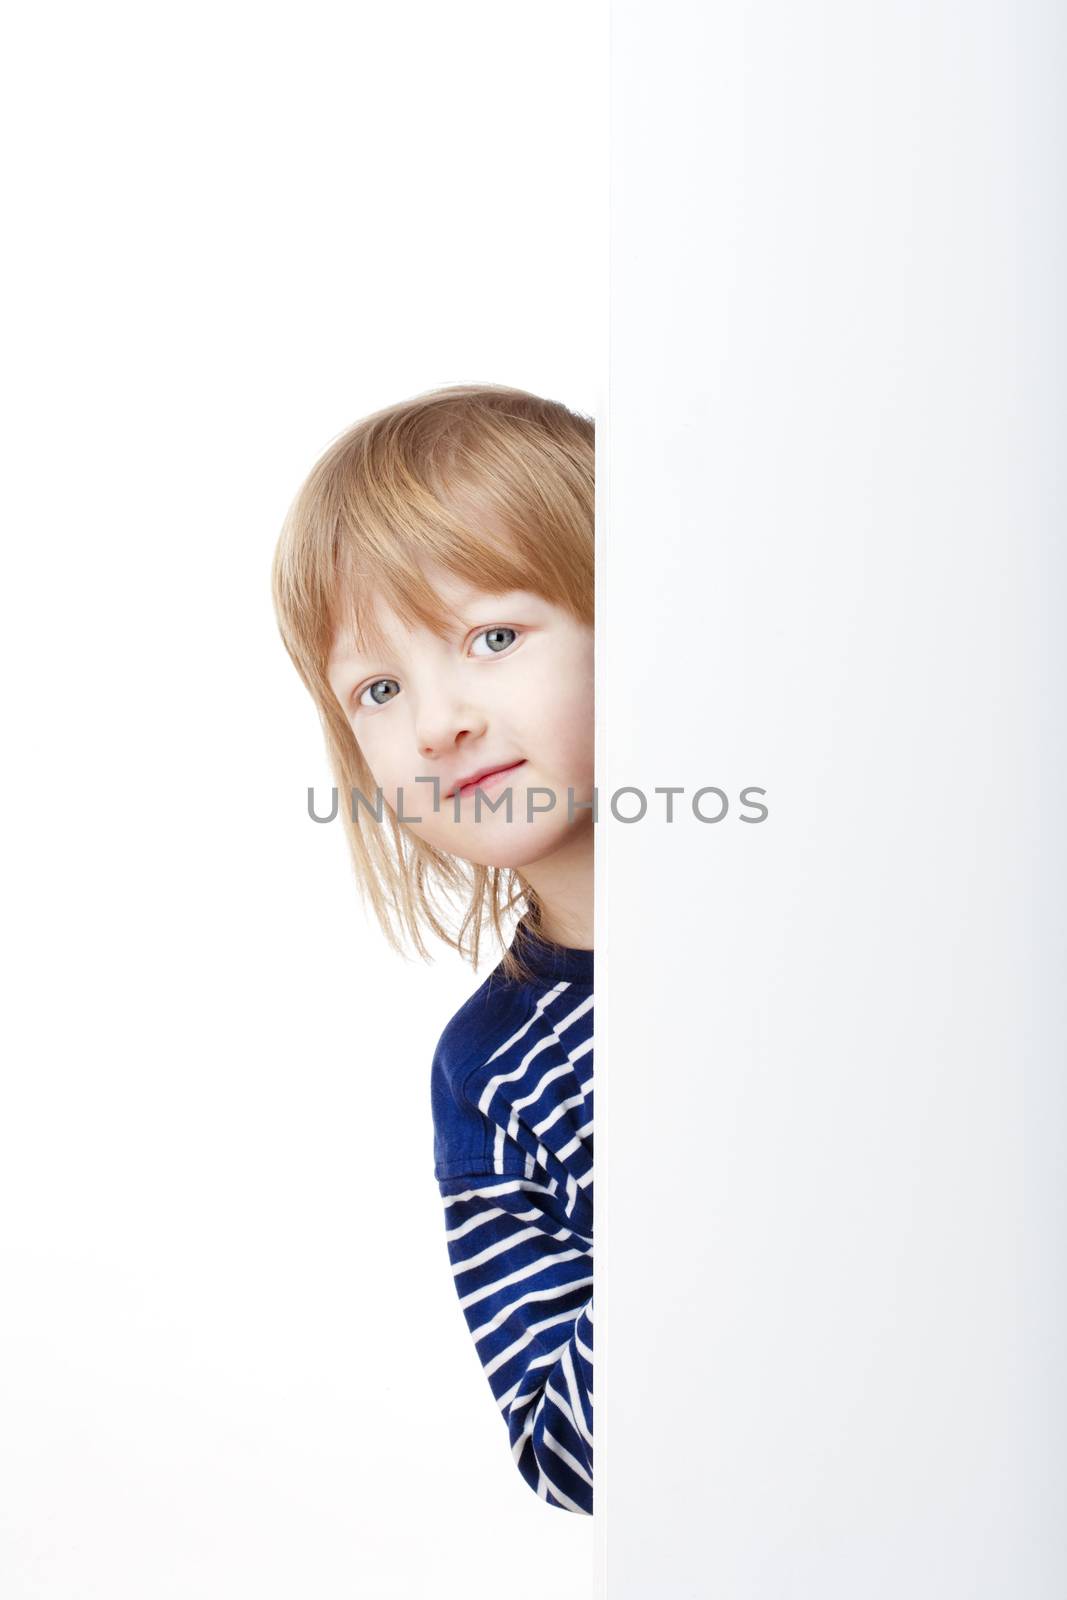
[524, 1276]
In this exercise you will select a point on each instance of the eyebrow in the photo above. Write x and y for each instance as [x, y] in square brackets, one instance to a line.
[344, 664]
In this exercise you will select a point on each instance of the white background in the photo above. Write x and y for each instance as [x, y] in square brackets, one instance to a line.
[831, 1200]
[232, 1359]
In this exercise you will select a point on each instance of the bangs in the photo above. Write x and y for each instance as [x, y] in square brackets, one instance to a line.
[472, 546]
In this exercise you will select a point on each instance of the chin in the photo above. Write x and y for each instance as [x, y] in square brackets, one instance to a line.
[515, 846]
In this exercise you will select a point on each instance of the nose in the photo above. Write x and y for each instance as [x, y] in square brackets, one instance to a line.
[443, 719]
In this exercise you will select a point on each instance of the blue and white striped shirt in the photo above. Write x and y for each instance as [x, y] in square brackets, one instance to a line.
[512, 1099]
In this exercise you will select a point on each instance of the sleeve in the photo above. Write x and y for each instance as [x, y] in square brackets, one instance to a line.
[524, 1275]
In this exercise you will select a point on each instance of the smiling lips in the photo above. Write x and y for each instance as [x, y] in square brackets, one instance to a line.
[482, 779]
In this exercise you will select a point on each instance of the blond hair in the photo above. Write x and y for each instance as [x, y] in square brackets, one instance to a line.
[495, 485]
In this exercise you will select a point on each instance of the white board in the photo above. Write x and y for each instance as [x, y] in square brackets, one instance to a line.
[831, 1046]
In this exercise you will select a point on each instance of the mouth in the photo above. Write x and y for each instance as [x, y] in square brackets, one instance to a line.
[485, 780]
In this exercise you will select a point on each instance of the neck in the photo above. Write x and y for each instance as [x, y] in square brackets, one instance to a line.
[563, 884]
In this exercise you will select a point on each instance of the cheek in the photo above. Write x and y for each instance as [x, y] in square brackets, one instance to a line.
[561, 694]
[573, 729]
[374, 748]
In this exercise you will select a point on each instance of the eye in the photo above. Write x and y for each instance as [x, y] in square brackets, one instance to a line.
[497, 635]
[498, 639]
[378, 684]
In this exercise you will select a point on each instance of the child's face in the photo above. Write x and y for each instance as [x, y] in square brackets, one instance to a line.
[482, 698]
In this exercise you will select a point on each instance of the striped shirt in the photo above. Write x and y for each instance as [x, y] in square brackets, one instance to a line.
[512, 1099]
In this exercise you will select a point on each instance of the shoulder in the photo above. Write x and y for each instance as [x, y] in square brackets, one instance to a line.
[501, 1020]
[484, 1020]
[498, 1015]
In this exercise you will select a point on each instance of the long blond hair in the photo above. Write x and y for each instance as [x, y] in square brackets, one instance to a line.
[495, 485]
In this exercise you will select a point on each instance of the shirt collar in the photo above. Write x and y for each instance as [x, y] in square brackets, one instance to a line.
[552, 962]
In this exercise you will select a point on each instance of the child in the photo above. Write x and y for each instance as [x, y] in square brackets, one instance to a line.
[440, 555]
